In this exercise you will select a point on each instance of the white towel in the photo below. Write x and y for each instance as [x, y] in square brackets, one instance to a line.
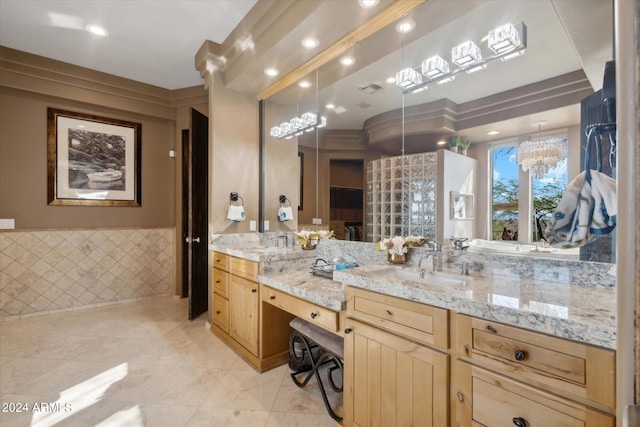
[285, 213]
[236, 213]
[587, 210]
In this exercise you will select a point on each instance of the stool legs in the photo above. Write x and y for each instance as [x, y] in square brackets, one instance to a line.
[323, 357]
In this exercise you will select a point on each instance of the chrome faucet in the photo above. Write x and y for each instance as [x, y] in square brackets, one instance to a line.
[436, 254]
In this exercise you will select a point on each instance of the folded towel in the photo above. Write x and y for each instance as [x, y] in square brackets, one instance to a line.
[285, 213]
[236, 213]
[587, 210]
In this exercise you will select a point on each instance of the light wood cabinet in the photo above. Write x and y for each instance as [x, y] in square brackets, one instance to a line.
[321, 316]
[238, 316]
[509, 376]
[243, 316]
[390, 380]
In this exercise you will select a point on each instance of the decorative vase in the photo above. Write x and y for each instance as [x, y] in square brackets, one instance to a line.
[463, 151]
[395, 258]
[308, 246]
[454, 149]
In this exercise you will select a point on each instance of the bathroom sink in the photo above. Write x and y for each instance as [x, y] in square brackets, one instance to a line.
[429, 278]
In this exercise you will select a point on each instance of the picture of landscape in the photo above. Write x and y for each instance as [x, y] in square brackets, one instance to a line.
[96, 160]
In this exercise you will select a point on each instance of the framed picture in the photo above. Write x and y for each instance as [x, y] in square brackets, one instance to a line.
[92, 161]
[461, 205]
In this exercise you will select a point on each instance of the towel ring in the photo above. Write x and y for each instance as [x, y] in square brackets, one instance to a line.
[283, 199]
[234, 196]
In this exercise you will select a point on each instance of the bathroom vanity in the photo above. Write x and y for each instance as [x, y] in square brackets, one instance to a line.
[524, 347]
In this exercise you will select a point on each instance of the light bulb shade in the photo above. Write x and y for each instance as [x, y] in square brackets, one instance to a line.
[323, 122]
[434, 67]
[408, 78]
[285, 127]
[309, 119]
[503, 39]
[540, 157]
[296, 123]
[276, 132]
[465, 54]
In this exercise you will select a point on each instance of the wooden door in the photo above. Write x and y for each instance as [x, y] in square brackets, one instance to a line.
[244, 298]
[390, 381]
[195, 201]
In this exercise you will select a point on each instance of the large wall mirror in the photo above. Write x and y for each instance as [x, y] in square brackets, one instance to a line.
[369, 116]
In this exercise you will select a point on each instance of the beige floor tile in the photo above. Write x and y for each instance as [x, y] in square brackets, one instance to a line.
[288, 419]
[217, 417]
[16, 372]
[21, 406]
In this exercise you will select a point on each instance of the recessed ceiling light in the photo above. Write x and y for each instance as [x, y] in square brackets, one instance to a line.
[493, 132]
[304, 84]
[391, 80]
[272, 72]
[330, 106]
[405, 25]
[442, 142]
[310, 42]
[347, 61]
[97, 30]
[368, 4]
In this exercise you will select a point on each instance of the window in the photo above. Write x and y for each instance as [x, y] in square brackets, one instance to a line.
[509, 185]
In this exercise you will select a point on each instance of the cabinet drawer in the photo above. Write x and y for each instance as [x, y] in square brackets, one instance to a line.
[221, 261]
[420, 322]
[321, 316]
[583, 371]
[221, 312]
[244, 268]
[498, 401]
[221, 282]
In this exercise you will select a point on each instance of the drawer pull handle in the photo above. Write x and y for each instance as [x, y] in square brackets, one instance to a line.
[217, 311]
[217, 259]
[348, 331]
[218, 281]
[389, 312]
[272, 297]
[519, 422]
[254, 290]
[492, 329]
[314, 315]
[460, 396]
[520, 355]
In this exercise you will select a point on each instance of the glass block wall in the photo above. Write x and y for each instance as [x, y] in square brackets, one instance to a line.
[401, 196]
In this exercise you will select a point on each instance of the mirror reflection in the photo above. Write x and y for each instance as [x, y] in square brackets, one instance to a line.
[374, 113]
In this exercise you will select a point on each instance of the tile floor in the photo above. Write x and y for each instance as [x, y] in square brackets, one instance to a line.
[140, 364]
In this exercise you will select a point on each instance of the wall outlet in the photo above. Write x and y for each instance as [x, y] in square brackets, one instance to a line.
[317, 221]
[172, 153]
[7, 224]
[266, 226]
[252, 226]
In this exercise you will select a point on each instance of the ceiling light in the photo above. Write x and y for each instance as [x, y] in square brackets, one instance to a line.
[310, 42]
[391, 80]
[298, 125]
[435, 66]
[347, 61]
[330, 106]
[512, 55]
[368, 4]
[476, 68]
[304, 84]
[408, 78]
[503, 39]
[441, 142]
[540, 156]
[446, 80]
[405, 25]
[272, 72]
[493, 132]
[97, 30]
[465, 54]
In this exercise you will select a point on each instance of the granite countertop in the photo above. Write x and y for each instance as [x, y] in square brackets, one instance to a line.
[585, 314]
[260, 253]
[316, 289]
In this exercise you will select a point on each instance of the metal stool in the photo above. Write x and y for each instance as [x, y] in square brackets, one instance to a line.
[311, 347]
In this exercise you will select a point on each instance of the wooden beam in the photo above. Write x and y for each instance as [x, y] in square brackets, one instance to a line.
[396, 10]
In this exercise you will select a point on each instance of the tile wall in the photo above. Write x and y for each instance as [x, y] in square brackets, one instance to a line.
[44, 271]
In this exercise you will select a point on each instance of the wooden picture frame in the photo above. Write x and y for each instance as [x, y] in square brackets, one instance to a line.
[92, 161]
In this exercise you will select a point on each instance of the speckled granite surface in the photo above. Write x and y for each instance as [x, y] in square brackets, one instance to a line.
[585, 314]
[319, 290]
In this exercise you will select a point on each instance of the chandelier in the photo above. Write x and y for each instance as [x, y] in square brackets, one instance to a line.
[540, 156]
[298, 125]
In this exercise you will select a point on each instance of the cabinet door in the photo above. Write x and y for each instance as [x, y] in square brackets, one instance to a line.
[244, 300]
[391, 381]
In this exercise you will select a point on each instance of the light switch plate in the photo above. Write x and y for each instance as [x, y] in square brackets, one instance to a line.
[252, 226]
[317, 221]
[266, 226]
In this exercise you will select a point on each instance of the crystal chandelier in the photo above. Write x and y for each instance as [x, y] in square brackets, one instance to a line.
[298, 125]
[541, 156]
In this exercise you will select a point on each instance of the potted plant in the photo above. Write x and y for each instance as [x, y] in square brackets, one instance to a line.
[454, 142]
[463, 145]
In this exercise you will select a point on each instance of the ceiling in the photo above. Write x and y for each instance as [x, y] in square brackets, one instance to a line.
[155, 42]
